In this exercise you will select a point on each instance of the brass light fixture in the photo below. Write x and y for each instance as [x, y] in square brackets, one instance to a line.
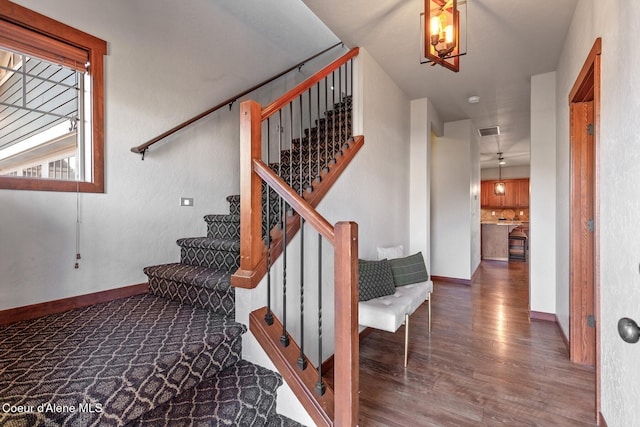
[441, 30]
[499, 188]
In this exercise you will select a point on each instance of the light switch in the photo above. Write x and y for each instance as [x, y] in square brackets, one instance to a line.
[186, 201]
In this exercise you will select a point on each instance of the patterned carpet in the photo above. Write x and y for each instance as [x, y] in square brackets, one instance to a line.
[109, 363]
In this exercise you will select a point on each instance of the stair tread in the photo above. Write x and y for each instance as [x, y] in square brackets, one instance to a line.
[243, 394]
[198, 276]
[210, 243]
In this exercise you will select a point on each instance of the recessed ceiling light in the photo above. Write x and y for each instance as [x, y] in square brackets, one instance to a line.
[473, 99]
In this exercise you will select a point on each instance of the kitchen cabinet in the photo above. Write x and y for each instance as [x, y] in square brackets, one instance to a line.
[516, 194]
[523, 193]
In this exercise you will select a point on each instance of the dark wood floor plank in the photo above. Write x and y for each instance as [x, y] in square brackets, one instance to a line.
[484, 364]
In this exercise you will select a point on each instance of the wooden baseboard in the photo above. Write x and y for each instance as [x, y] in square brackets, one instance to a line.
[443, 279]
[33, 311]
[601, 421]
[540, 315]
[550, 317]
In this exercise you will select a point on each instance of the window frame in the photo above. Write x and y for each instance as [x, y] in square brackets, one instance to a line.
[96, 48]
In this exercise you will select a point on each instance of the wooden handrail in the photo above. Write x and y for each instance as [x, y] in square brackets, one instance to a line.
[271, 109]
[140, 149]
[300, 205]
[341, 409]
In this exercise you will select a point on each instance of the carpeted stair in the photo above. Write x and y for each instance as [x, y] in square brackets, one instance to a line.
[242, 394]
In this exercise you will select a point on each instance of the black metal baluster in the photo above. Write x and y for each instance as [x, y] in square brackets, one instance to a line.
[340, 109]
[351, 110]
[309, 188]
[268, 317]
[320, 387]
[301, 164]
[333, 115]
[284, 338]
[302, 361]
[318, 170]
[291, 144]
[326, 126]
[348, 78]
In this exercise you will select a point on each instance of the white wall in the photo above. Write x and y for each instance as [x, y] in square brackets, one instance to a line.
[542, 202]
[508, 172]
[455, 204]
[619, 155]
[373, 191]
[156, 75]
[425, 121]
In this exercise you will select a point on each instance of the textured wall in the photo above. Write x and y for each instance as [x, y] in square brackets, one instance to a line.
[619, 156]
[161, 68]
[542, 202]
[451, 213]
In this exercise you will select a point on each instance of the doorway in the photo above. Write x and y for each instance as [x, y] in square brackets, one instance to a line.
[584, 287]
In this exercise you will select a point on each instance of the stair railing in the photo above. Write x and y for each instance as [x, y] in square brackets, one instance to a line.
[313, 120]
[142, 148]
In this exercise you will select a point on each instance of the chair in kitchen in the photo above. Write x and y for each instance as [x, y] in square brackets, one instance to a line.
[517, 245]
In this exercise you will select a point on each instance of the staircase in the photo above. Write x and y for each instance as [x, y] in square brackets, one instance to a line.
[243, 394]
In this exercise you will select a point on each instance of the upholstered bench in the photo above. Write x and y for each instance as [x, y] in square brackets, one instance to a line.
[393, 308]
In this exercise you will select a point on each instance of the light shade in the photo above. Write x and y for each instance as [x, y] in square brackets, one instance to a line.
[499, 188]
[441, 30]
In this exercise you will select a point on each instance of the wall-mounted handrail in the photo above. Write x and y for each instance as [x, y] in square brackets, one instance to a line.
[142, 148]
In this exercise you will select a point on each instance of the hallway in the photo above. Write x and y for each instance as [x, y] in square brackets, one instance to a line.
[485, 363]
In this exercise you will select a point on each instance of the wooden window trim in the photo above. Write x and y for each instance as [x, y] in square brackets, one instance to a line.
[96, 49]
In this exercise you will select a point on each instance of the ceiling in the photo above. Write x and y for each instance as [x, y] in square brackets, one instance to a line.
[508, 41]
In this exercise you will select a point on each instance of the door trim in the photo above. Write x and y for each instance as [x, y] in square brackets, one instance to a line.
[586, 88]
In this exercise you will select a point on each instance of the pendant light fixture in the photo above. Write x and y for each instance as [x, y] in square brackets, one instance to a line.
[441, 41]
[499, 188]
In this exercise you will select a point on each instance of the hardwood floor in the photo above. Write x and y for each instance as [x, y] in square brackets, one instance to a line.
[484, 364]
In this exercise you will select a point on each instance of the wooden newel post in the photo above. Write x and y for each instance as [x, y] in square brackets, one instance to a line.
[251, 243]
[347, 350]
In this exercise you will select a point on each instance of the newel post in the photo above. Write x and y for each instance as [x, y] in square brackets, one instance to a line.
[347, 350]
[251, 243]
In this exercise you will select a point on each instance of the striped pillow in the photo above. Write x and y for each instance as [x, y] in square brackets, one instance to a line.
[409, 270]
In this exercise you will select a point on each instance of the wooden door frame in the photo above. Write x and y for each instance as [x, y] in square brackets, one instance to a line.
[587, 88]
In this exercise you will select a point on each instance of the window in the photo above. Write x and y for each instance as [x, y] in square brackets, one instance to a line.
[51, 104]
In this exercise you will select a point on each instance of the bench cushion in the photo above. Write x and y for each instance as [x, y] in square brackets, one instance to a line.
[387, 313]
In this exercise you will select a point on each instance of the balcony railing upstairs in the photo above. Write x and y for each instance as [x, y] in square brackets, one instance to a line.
[290, 152]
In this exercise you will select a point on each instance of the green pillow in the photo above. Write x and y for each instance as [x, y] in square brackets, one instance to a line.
[409, 270]
[375, 279]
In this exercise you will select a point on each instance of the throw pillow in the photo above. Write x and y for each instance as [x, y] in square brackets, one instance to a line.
[375, 279]
[409, 270]
[390, 252]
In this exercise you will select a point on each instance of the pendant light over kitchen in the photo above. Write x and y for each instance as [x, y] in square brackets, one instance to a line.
[499, 188]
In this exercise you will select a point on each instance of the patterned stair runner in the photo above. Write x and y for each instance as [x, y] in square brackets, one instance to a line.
[243, 394]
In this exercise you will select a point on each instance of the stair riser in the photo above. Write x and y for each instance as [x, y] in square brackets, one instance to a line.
[210, 258]
[223, 230]
[221, 302]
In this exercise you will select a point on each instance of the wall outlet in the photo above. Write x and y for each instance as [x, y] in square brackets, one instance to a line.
[186, 201]
[493, 213]
[521, 213]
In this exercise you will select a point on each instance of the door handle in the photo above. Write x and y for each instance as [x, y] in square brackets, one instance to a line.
[628, 330]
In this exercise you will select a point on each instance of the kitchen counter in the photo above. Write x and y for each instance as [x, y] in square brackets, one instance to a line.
[514, 223]
[495, 239]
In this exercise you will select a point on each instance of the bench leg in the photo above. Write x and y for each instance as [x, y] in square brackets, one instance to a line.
[406, 338]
